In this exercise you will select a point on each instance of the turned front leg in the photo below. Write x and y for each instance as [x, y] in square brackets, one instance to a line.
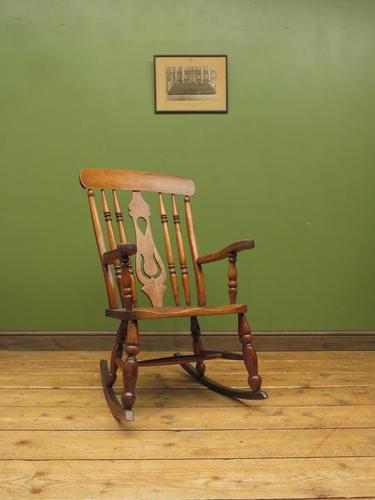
[117, 352]
[197, 343]
[249, 354]
[130, 369]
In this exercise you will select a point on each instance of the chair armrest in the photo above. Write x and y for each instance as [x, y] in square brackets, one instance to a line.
[122, 252]
[235, 247]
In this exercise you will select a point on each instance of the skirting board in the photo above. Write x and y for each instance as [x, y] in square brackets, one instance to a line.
[181, 341]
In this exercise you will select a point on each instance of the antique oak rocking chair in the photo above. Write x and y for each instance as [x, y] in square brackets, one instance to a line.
[151, 273]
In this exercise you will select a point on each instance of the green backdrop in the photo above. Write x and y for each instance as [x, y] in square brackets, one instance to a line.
[291, 165]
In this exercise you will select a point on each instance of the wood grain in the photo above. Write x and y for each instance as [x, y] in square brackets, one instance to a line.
[166, 378]
[106, 178]
[199, 277]
[168, 250]
[188, 442]
[292, 362]
[108, 278]
[175, 312]
[181, 252]
[123, 239]
[37, 416]
[179, 341]
[149, 265]
[172, 445]
[224, 253]
[300, 478]
[232, 278]
[123, 250]
[88, 398]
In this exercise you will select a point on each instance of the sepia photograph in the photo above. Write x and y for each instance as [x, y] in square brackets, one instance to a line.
[190, 84]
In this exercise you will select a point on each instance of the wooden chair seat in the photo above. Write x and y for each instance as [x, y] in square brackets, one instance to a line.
[133, 263]
[174, 312]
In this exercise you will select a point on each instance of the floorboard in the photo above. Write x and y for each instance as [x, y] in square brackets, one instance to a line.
[313, 438]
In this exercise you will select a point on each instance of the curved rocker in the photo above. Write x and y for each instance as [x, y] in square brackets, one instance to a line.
[222, 389]
[113, 403]
[152, 274]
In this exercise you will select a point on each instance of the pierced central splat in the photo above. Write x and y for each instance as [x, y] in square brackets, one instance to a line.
[153, 275]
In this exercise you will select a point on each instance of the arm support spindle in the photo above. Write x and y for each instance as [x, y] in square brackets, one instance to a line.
[120, 253]
[229, 252]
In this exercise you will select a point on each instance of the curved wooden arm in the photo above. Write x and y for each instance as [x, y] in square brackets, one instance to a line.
[122, 252]
[235, 247]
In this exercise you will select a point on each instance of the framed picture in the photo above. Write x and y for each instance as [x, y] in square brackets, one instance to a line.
[191, 84]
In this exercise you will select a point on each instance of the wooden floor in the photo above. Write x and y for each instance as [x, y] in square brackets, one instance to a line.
[313, 438]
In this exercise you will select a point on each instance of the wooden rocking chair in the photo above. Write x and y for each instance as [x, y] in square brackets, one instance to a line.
[151, 273]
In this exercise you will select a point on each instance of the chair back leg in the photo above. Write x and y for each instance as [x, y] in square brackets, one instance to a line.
[197, 344]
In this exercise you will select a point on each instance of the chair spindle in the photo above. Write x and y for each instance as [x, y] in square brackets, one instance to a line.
[232, 278]
[181, 252]
[108, 221]
[112, 242]
[168, 249]
[121, 229]
[119, 217]
[201, 291]
[151, 272]
[108, 278]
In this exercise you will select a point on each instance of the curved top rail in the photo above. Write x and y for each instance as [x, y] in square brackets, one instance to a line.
[135, 180]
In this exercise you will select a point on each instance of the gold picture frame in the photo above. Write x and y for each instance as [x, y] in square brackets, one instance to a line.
[191, 83]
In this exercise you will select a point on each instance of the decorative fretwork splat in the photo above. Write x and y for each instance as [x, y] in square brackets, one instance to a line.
[152, 274]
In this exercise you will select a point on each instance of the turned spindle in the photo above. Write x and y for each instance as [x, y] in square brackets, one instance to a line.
[168, 249]
[232, 278]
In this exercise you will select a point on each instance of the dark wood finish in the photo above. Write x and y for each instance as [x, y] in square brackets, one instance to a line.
[126, 284]
[130, 369]
[122, 251]
[229, 252]
[232, 278]
[223, 389]
[117, 352]
[114, 405]
[175, 312]
[120, 258]
[180, 359]
[249, 358]
[151, 272]
[249, 353]
[197, 344]
[224, 253]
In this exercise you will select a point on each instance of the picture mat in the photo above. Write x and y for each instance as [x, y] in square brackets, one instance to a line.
[190, 103]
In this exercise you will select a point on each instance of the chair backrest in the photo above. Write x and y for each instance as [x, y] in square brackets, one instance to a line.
[149, 266]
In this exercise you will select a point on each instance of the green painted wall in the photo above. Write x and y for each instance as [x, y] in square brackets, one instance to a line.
[291, 165]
